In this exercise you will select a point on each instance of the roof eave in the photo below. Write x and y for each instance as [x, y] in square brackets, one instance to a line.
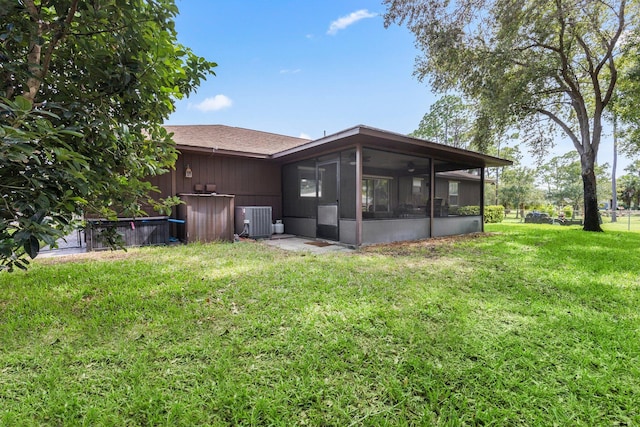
[466, 155]
[212, 151]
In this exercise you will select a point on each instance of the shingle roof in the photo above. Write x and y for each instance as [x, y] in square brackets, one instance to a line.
[232, 139]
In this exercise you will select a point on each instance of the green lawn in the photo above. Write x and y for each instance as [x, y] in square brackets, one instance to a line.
[527, 325]
[624, 222]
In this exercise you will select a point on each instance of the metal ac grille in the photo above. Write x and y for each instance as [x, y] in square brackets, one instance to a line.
[259, 218]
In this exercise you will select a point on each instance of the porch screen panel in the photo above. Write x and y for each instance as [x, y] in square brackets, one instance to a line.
[299, 190]
[348, 184]
[394, 185]
[457, 191]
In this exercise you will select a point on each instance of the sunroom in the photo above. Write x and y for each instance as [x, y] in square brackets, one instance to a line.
[364, 186]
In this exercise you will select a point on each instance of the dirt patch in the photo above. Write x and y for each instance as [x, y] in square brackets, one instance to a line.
[318, 244]
[431, 247]
[86, 257]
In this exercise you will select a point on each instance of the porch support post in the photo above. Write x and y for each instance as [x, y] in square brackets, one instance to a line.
[358, 195]
[482, 198]
[432, 194]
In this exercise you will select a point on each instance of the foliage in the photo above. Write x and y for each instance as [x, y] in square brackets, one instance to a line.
[493, 214]
[626, 100]
[517, 186]
[468, 210]
[43, 181]
[84, 90]
[629, 190]
[503, 329]
[540, 66]
[449, 121]
[561, 175]
[634, 168]
[567, 211]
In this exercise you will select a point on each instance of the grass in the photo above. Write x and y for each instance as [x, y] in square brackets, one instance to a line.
[624, 222]
[526, 325]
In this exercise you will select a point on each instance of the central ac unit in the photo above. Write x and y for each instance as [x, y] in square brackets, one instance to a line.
[257, 220]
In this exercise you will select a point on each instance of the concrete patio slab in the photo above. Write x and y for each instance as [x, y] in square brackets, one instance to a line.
[300, 244]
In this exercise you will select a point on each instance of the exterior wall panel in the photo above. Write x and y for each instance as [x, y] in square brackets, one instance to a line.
[254, 182]
[456, 225]
[394, 230]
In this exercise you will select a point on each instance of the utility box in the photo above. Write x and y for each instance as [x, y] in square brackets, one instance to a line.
[257, 220]
[206, 217]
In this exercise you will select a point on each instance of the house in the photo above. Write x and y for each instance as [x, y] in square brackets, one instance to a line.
[359, 186]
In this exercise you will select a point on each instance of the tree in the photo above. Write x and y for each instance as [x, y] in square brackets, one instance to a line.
[539, 65]
[624, 111]
[633, 168]
[448, 122]
[84, 90]
[517, 182]
[629, 190]
[561, 174]
[517, 187]
[627, 97]
[629, 185]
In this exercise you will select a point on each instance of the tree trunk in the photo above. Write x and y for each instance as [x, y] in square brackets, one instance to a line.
[591, 217]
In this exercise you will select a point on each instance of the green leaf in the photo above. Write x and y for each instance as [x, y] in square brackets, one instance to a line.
[32, 247]
[23, 104]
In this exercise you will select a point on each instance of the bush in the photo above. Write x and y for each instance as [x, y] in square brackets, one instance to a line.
[468, 210]
[568, 211]
[493, 213]
[550, 210]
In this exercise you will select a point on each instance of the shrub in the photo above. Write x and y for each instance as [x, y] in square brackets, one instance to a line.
[550, 210]
[568, 211]
[493, 213]
[469, 210]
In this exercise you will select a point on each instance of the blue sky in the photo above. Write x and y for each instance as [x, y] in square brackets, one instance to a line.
[301, 68]
[306, 67]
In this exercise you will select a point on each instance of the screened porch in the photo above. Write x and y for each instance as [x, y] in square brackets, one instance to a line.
[366, 195]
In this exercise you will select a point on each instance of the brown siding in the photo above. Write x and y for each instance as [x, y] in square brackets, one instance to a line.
[254, 182]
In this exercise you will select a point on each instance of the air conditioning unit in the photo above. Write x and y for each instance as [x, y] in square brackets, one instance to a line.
[257, 219]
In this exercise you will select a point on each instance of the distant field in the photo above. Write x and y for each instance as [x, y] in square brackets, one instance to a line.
[622, 223]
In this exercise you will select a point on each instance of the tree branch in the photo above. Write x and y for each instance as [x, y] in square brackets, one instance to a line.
[609, 56]
[39, 64]
[557, 120]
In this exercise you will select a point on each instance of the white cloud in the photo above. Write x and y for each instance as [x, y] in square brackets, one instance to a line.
[304, 136]
[287, 71]
[344, 21]
[216, 103]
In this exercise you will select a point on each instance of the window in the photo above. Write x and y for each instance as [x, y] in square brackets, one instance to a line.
[375, 194]
[307, 180]
[453, 193]
[418, 190]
